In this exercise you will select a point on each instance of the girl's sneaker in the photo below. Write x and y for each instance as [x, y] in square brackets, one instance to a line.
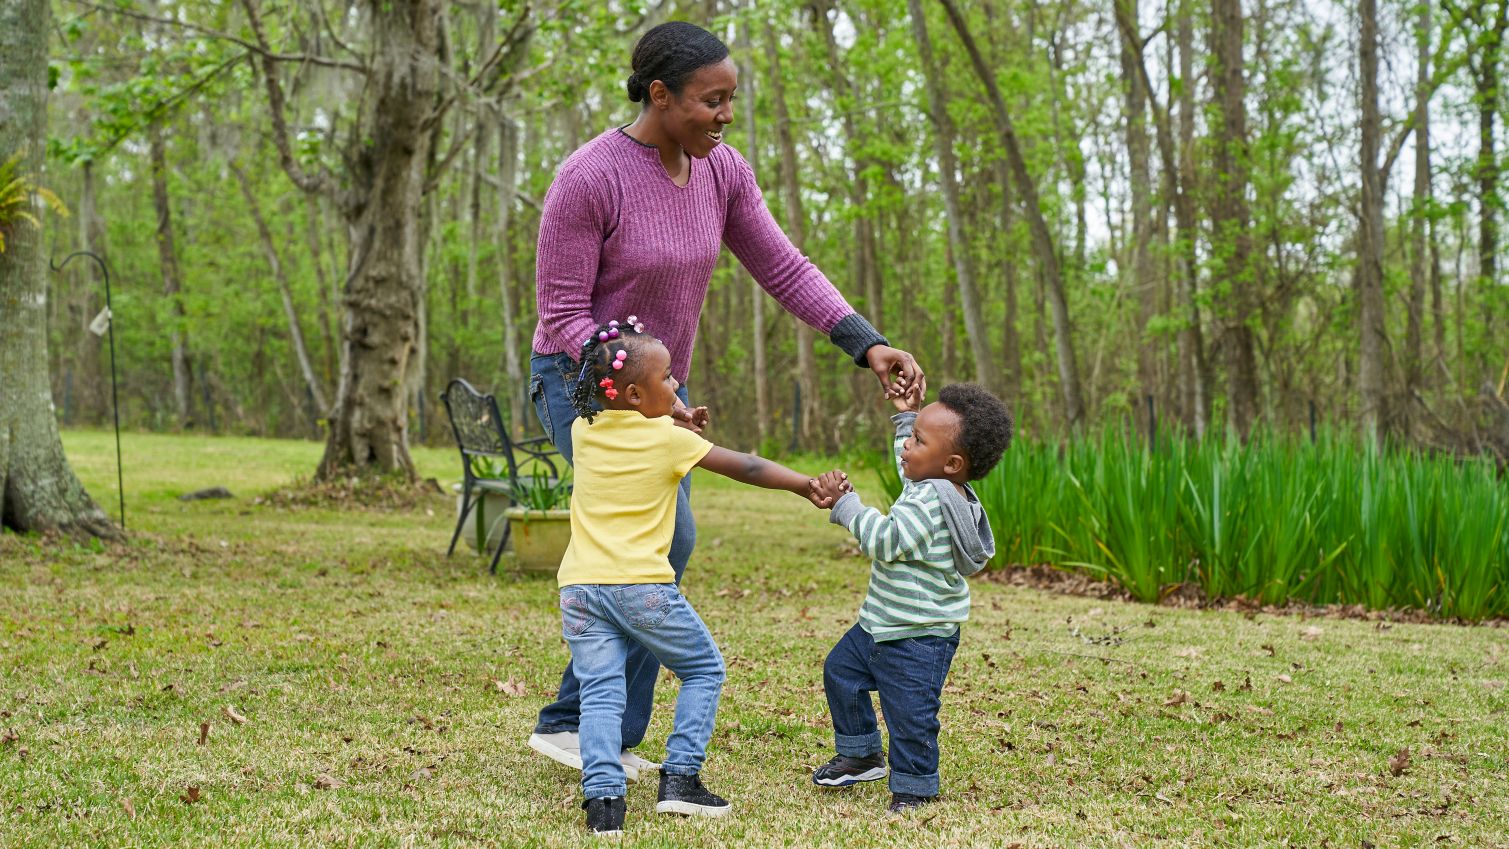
[605, 815]
[684, 794]
[843, 770]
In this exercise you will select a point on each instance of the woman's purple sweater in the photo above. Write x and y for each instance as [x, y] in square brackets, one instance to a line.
[618, 238]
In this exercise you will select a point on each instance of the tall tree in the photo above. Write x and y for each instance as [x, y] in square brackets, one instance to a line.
[1043, 249]
[796, 228]
[1141, 244]
[1371, 376]
[172, 278]
[38, 489]
[1420, 209]
[756, 294]
[948, 180]
[1231, 247]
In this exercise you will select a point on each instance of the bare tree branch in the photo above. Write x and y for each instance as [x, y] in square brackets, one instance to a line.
[322, 181]
[260, 49]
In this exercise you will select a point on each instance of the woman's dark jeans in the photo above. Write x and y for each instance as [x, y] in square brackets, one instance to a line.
[550, 379]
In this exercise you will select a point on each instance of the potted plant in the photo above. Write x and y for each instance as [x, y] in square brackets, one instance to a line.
[485, 526]
[540, 522]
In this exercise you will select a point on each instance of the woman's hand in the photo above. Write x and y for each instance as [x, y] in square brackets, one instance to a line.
[694, 419]
[898, 371]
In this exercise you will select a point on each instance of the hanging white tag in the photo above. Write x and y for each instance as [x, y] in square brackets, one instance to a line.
[101, 323]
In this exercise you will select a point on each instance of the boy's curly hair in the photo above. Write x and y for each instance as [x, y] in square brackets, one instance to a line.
[985, 426]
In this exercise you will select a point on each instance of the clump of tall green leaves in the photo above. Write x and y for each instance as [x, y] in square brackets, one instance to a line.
[1273, 519]
[16, 194]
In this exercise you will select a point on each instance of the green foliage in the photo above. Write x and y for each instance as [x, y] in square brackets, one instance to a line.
[17, 193]
[1274, 520]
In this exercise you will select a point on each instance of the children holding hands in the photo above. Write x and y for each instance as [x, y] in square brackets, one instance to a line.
[935, 535]
[617, 587]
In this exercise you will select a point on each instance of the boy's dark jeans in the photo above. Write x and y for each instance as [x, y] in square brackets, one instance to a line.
[909, 676]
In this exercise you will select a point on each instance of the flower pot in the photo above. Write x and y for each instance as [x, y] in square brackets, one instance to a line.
[490, 513]
[539, 538]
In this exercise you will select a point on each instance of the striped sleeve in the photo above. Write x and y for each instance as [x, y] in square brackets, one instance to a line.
[903, 534]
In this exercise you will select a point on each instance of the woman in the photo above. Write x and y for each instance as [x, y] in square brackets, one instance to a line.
[633, 225]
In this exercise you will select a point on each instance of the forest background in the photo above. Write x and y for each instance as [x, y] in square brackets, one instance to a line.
[1209, 215]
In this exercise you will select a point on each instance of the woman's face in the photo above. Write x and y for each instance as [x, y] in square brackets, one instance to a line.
[695, 118]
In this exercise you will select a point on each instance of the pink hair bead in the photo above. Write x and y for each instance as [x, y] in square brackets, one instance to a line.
[602, 336]
[618, 364]
[621, 355]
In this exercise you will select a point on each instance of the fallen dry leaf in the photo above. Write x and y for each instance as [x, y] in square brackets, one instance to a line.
[204, 732]
[1179, 697]
[326, 781]
[232, 715]
[510, 687]
[1399, 763]
[8, 737]
[130, 809]
[190, 797]
[1188, 651]
[1285, 679]
[1217, 686]
[1311, 634]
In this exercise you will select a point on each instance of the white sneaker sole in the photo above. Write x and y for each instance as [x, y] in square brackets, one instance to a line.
[690, 809]
[569, 758]
[868, 775]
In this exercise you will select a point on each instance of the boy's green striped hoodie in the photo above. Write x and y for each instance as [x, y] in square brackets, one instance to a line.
[922, 551]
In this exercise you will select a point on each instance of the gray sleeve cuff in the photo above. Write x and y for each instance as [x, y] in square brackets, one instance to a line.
[845, 509]
[854, 336]
[904, 421]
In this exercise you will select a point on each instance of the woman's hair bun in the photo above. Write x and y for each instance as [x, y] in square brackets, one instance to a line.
[636, 88]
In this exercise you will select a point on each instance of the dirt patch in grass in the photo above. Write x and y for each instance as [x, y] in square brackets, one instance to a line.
[379, 493]
[1190, 596]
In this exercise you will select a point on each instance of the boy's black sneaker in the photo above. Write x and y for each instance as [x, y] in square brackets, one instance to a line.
[684, 794]
[843, 770]
[903, 802]
[605, 815]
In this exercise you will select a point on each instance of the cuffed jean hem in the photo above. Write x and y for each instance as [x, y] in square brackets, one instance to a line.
[857, 746]
[606, 791]
[672, 769]
[914, 785]
[556, 729]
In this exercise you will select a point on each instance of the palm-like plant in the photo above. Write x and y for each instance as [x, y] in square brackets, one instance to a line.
[16, 197]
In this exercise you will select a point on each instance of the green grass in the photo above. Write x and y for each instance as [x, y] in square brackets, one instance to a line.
[358, 652]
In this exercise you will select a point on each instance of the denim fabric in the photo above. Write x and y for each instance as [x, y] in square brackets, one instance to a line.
[550, 381]
[601, 622]
[909, 675]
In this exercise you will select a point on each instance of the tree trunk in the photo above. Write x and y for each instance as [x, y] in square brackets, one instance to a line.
[89, 376]
[1142, 266]
[322, 281]
[756, 294]
[38, 489]
[275, 265]
[172, 286]
[796, 228]
[1042, 238]
[1487, 173]
[1195, 364]
[1414, 329]
[508, 178]
[1231, 243]
[1371, 380]
[384, 284]
[948, 178]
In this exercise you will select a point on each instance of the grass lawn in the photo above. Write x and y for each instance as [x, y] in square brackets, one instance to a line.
[387, 692]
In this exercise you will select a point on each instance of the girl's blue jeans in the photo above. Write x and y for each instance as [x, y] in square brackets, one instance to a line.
[551, 377]
[602, 623]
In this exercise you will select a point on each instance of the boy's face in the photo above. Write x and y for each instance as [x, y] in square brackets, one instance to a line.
[932, 450]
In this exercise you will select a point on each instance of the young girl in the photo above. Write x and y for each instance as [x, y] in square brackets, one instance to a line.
[616, 583]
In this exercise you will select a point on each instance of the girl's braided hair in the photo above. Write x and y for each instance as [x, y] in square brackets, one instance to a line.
[597, 363]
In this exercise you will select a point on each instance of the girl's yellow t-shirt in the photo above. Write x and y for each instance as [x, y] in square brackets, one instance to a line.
[623, 503]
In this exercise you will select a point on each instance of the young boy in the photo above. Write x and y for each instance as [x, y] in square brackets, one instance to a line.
[935, 535]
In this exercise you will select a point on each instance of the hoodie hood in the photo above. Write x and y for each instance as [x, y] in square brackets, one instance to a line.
[974, 544]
